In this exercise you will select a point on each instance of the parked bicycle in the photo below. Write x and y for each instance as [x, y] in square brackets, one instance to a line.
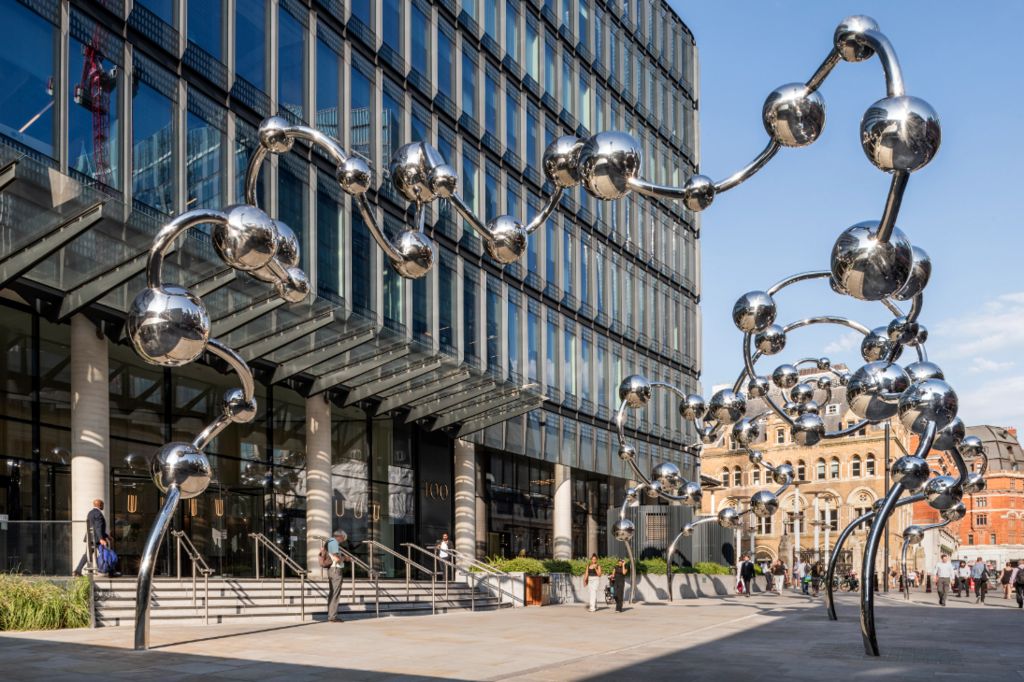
[846, 584]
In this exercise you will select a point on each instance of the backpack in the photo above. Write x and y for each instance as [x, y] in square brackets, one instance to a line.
[1019, 580]
[324, 557]
[106, 560]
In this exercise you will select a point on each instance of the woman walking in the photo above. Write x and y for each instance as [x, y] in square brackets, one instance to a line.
[592, 580]
[619, 584]
[1004, 580]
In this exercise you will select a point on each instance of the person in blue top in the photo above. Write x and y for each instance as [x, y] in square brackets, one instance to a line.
[979, 573]
[335, 574]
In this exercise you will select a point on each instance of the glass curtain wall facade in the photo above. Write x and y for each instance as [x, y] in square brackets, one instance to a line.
[605, 289]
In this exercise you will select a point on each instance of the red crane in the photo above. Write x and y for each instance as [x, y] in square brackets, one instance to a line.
[93, 94]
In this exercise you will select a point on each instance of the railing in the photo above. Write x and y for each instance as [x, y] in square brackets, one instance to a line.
[199, 565]
[371, 575]
[444, 562]
[286, 562]
[409, 565]
[489, 571]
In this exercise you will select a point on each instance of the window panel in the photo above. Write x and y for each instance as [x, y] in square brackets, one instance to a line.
[153, 177]
[26, 67]
[205, 26]
[420, 39]
[251, 42]
[291, 53]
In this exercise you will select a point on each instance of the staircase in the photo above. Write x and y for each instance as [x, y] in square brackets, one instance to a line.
[259, 601]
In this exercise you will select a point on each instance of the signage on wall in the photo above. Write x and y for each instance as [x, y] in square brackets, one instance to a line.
[435, 490]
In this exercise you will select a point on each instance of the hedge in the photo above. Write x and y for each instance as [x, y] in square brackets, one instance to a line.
[39, 604]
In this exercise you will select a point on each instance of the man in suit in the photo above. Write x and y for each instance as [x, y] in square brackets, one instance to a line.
[747, 573]
[95, 534]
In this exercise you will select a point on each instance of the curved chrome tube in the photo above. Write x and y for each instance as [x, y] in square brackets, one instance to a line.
[890, 63]
[867, 572]
[167, 236]
[748, 171]
[903, 553]
[892, 205]
[545, 212]
[818, 77]
[144, 587]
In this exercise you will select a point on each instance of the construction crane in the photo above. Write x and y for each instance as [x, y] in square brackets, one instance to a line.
[93, 94]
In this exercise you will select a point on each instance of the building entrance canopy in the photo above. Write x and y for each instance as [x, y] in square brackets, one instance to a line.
[85, 248]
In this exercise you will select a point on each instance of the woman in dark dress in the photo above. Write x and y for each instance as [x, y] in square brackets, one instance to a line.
[619, 583]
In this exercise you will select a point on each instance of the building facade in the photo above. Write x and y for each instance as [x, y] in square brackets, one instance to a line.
[837, 480]
[476, 400]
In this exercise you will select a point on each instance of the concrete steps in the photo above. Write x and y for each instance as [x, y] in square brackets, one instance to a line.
[260, 601]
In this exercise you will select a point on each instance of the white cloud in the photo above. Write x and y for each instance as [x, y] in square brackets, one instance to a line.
[993, 402]
[844, 343]
[997, 325]
[980, 365]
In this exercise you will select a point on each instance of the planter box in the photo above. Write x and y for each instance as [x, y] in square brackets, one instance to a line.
[654, 588]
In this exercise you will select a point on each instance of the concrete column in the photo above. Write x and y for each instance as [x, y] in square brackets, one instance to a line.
[481, 512]
[90, 428]
[592, 512]
[465, 497]
[563, 512]
[319, 491]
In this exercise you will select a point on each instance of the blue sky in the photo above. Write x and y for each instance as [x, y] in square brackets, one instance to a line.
[963, 208]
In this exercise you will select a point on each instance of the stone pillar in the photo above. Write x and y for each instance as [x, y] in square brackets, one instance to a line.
[481, 512]
[319, 490]
[465, 497]
[90, 428]
[592, 511]
[563, 512]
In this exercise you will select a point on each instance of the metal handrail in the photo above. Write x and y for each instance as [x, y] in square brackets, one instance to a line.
[371, 574]
[487, 569]
[199, 565]
[409, 565]
[411, 546]
[286, 562]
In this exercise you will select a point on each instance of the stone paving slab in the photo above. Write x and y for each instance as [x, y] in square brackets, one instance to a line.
[764, 637]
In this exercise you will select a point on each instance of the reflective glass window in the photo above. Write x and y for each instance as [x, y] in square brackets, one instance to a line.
[328, 89]
[470, 330]
[533, 343]
[551, 353]
[491, 104]
[251, 42]
[363, 11]
[447, 296]
[491, 18]
[532, 51]
[512, 121]
[153, 149]
[514, 330]
[391, 23]
[204, 163]
[205, 26]
[94, 120]
[493, 326]
[468, 83]
[512, 29]
[26, 70]
[360, 132]
[291, 53]
[420, 38]
[445, 64]
[569, 358]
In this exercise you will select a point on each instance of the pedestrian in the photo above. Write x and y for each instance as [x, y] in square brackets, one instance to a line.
[443, 553]
[817, 573]
[911, 578]
[1017, 580]
[592, 581]
[747, 573]
[779, 575]
[964, 574]
[979, 574]
[335, 574]
[944, 573]
[804, 576]
[95, 535]
[1006, 580]
[766, 571]
[619, 584]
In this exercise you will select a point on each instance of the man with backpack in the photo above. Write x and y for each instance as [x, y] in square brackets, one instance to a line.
[330, 557]
[95, 538]
[979, 574]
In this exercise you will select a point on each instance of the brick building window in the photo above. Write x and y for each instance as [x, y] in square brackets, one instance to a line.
[981, 520]
[780, 436]
[992, 539]
[855, 466]
[981, 502]
[869, 465]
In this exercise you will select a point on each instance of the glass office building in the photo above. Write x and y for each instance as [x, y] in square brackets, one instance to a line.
[115, 115]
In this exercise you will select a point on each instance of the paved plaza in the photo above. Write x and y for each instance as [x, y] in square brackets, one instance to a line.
[731, 638]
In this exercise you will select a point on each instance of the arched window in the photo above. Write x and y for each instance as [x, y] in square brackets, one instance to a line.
[833, 469]
[737, 476]
[819, 470]
[855, 466]
[869, 465]
[801, 470]
[756, 475]
[725, 477]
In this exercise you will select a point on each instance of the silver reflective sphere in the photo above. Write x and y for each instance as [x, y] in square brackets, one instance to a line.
[824, 364]
[509, 239]
[635, 390]
[754, 311]
[729, 518]
[755, 456]
[181, 465]
[786, 376]
[354, 176]
[623, 530]
[727, 406]
[288, 250]
[941, 493]
[272, 134]
[808, 429]
[168, 326]
[874, 390]
[900, 133]
[876, 346]
[692, 407]
[417, 251]
[247, 240]
[924, 370]
[687, 530]
[954, 513]
[794, 116]
[950, 436]
[444, 182]
[913, 534]
[627, 453]
[824, 383]
[295, 288]
[848, 38]
[411, 169]
[790, 408]
[974, 483]
[691, 494]
[757, 387]
[920, 273]
[770, 341]
[901, 330]
[931, 400]
[607, 162]
[237, 408]
[654, 490]
[810, 407]
[801, 393]
[844, 379]
[667, 475]
[764, 503]
[868, 269]
[921, 338]
[783, 474]
[698, 192]
[911, 471]
[632, 497]
[971, 447]
[561, 161]
[745, 431]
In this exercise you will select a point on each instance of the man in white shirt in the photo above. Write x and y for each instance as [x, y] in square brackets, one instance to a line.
[442, 553]
[964, 575]
[943, 576]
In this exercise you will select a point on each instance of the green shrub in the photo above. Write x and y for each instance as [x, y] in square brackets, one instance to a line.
[518, 565]
[577, 567]
[39, 604]
[711, 568]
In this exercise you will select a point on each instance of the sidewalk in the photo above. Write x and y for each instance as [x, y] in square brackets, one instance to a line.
[763, 637]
